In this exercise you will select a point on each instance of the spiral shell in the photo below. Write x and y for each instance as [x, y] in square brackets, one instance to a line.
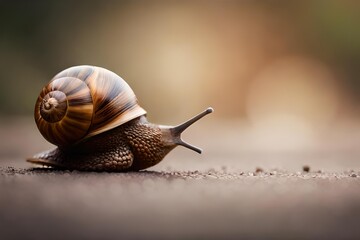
[84, 101]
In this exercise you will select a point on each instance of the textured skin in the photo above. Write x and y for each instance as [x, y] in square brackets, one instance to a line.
[146, 143]
[133, 146]
[117, 159]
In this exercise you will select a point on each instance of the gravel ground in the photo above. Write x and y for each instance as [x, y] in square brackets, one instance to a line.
[48, 204]
[227, 193]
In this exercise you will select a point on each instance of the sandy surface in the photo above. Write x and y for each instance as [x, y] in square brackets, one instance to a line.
[217, 195]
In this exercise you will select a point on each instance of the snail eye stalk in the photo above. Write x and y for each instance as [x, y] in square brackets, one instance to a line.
[177, 130]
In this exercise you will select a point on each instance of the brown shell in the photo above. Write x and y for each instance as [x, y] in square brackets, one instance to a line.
[84, 101]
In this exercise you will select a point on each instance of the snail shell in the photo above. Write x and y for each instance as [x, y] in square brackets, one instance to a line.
[84, 101]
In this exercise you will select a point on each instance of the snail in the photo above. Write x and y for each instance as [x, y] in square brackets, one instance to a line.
[93, 117]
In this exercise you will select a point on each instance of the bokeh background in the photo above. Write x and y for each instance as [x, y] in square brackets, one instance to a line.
[284, 74]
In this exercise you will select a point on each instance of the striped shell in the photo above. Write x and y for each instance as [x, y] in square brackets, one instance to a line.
[84, 101]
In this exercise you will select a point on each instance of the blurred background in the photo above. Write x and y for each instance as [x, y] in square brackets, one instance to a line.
[281, 75]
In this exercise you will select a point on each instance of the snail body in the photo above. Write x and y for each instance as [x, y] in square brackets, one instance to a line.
[93, 117]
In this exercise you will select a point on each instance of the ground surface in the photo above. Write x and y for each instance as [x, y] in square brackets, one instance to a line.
[228, 192]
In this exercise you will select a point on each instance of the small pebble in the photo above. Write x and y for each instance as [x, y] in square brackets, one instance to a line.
[306, 168]
[353, 175]
[259, 170]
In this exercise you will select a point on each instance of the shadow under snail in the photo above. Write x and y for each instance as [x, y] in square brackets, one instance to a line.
[93, 117]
